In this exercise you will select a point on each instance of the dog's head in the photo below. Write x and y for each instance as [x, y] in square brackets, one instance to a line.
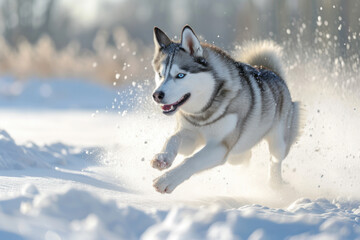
[182, 73]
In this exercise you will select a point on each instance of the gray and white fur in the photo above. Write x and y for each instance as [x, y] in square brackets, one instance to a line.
[223, 107]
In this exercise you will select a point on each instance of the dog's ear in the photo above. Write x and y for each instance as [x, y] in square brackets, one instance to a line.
[161, 40]
[190, 42]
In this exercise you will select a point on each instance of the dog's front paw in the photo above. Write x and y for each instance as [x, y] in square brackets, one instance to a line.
[161, 161]
[165, 183]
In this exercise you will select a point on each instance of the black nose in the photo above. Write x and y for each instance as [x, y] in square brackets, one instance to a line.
[158, 96]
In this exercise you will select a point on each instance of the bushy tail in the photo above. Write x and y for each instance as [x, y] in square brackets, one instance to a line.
[264, 53]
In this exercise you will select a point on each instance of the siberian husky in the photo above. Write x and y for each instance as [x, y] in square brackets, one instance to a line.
[223, 106]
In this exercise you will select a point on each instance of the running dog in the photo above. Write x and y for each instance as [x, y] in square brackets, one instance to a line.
[223, 106]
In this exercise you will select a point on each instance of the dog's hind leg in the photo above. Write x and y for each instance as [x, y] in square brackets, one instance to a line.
[280, 139]
[278, 150]
[242, 158]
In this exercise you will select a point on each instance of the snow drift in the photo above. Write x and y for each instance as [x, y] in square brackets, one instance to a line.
[15, 157]
[77, 214]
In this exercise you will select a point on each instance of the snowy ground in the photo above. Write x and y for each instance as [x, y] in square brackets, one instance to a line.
[74, 164]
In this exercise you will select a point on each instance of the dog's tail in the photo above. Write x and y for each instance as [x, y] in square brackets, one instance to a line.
[266, 54]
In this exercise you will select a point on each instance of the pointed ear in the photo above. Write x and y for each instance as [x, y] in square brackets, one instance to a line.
[160, 38]
[190, 42]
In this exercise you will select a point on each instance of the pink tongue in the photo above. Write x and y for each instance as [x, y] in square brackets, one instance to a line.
[166, 107]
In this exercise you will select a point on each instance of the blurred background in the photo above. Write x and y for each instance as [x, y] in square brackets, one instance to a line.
[110, 41]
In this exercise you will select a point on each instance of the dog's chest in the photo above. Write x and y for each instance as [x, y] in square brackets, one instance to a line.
[218, 130]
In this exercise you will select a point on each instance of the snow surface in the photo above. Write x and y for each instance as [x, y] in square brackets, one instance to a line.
[74, 164]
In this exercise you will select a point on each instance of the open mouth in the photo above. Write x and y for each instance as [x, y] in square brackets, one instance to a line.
[170, 108]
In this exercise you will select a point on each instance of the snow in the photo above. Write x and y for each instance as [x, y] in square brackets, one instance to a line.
[301, 220]
[74, 214]
[74, 164]
[57, 94]
[13, 156]
[78, 214]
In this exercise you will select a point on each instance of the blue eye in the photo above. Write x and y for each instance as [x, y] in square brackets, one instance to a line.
[181, 75]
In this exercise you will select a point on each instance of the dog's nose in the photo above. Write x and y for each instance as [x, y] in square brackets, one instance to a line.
[158, 96]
